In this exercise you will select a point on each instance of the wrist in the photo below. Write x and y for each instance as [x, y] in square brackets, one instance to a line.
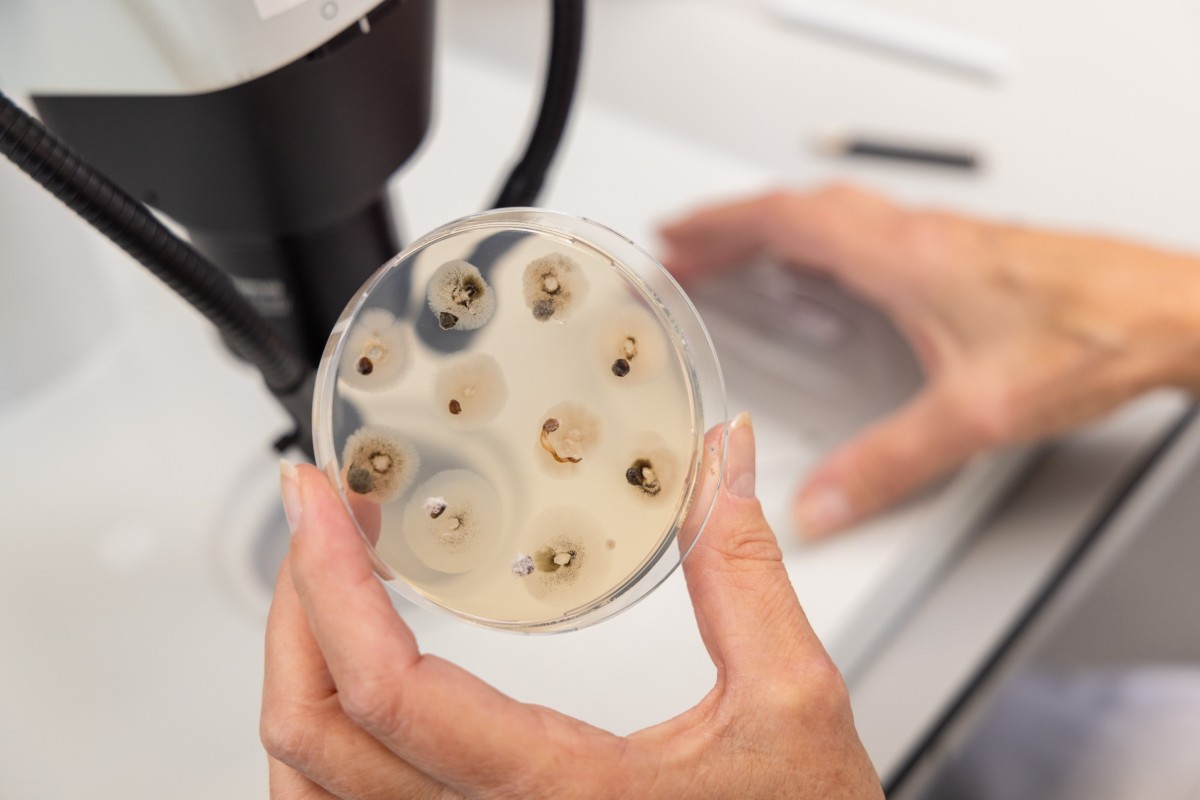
[1136, 306]
[1168, 317]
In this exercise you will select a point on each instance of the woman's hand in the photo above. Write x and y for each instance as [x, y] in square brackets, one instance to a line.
[352, 709]
[1022, 333]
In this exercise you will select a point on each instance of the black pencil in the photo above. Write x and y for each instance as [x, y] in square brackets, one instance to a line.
[871, 147]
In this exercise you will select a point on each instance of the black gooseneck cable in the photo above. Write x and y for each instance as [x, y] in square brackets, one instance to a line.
[129, 224]
[562, 74]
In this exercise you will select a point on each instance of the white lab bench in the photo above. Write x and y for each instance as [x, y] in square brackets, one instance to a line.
[137, 487]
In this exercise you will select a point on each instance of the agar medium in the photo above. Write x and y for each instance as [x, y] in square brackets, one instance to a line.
[514, 411]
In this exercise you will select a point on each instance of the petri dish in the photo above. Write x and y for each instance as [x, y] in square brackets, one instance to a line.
[526, 419]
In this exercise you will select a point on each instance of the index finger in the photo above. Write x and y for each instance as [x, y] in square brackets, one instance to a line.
[434, 715]
[844, 231]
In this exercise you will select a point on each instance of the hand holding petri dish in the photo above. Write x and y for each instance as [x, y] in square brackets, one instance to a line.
[514, 410]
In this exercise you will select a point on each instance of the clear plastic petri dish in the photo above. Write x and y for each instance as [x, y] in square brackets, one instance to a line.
[526, 418]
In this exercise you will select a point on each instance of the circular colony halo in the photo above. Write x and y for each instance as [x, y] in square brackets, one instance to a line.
[546, 360]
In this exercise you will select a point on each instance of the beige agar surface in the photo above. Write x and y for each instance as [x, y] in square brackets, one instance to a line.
[544, 364]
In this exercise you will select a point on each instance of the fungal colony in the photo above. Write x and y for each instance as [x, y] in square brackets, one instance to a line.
[568, 432]
[554, 287]
[376, 354]
[379, 463]
[460, 297]
[471, 389]
[630, 345]
[453, 520]
[568, 563]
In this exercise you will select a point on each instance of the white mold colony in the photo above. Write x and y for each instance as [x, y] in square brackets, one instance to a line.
[377, 352]
[554, 420]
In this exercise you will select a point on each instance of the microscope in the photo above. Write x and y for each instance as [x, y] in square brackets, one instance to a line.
[266, 129]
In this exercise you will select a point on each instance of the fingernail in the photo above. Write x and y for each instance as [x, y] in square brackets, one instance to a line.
[667, 257]
[289, 489]
[822, 511]
[739, 464]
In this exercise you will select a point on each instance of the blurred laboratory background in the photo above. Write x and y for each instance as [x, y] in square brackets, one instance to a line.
[1001, 634]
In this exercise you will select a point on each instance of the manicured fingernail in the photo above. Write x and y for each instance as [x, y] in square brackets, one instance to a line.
[739, 466]
[289, 489]
[821, 511]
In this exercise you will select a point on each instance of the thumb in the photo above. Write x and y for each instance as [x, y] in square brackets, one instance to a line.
[745, 606]
[923, 440]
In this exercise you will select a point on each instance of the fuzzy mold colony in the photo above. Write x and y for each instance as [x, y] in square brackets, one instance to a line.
[520, 409]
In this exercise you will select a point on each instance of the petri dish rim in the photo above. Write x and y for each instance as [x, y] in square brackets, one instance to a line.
[679, 319]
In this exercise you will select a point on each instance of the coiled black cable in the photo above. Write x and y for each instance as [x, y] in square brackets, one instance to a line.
[128, 223]
[562, 73]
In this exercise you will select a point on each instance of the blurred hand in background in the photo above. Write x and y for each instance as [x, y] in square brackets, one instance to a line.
[1022, 333]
